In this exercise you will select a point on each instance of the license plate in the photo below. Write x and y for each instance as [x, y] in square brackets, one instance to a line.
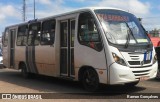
[143, 78]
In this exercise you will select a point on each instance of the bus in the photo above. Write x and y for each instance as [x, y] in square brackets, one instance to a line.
[95, 45]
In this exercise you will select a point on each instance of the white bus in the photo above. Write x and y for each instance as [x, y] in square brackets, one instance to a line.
[91, 45]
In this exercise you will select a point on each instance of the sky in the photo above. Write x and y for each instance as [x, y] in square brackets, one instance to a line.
[11, 10]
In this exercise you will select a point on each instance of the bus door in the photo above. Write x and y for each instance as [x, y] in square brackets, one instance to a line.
[12, 46]
[67, 33]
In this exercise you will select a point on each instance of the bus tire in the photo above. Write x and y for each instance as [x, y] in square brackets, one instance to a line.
[90, 80]
[24, 72]
[132, 84]
[158, 74]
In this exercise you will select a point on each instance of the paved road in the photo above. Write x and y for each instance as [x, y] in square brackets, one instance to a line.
[11, 81]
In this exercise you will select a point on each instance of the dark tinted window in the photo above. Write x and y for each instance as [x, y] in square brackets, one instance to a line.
[22, 35]
[48, 32]
[34, 34]
[64, 34]
[88, 33]
[5, 39]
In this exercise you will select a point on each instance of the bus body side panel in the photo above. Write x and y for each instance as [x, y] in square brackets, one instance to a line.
[85, 56]
[20, 55]
[45, 60]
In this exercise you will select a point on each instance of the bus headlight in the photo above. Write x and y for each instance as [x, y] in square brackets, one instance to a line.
[118, 59]
[155, 59]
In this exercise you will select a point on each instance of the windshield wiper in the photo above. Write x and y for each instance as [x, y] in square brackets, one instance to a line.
[128, 38]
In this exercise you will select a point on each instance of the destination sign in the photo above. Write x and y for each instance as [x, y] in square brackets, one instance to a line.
[109, 17]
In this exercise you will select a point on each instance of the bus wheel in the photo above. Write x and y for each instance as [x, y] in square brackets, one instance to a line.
[132, 84]
[90, 80]
[24, 72]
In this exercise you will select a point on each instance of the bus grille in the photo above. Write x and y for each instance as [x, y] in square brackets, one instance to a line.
[134, 62]
[138, 62]
[141, 73]
[147, 61]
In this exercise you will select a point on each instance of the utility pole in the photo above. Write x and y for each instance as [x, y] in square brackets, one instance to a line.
[24, 10]
[34, 8]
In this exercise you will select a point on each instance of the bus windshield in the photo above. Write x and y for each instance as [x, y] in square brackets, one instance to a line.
[122, 27]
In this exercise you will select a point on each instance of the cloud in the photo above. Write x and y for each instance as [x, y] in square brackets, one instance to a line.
[47, 13]
[8, 15]
[7, 11]
[158, 7]
[134, 6]
[80, 0]
[45, 1]
[50, 2]
[151, 22]
[50, 10]
[2, 17]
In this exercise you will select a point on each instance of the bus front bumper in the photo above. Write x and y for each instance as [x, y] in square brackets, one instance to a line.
[122, 74]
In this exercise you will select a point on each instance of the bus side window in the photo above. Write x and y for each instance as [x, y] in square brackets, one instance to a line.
[48, 32]
[22, 35]
[88, 33]
[5, 40]
[34, 34]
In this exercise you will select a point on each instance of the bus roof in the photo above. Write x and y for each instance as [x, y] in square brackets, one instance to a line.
[70, 12]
